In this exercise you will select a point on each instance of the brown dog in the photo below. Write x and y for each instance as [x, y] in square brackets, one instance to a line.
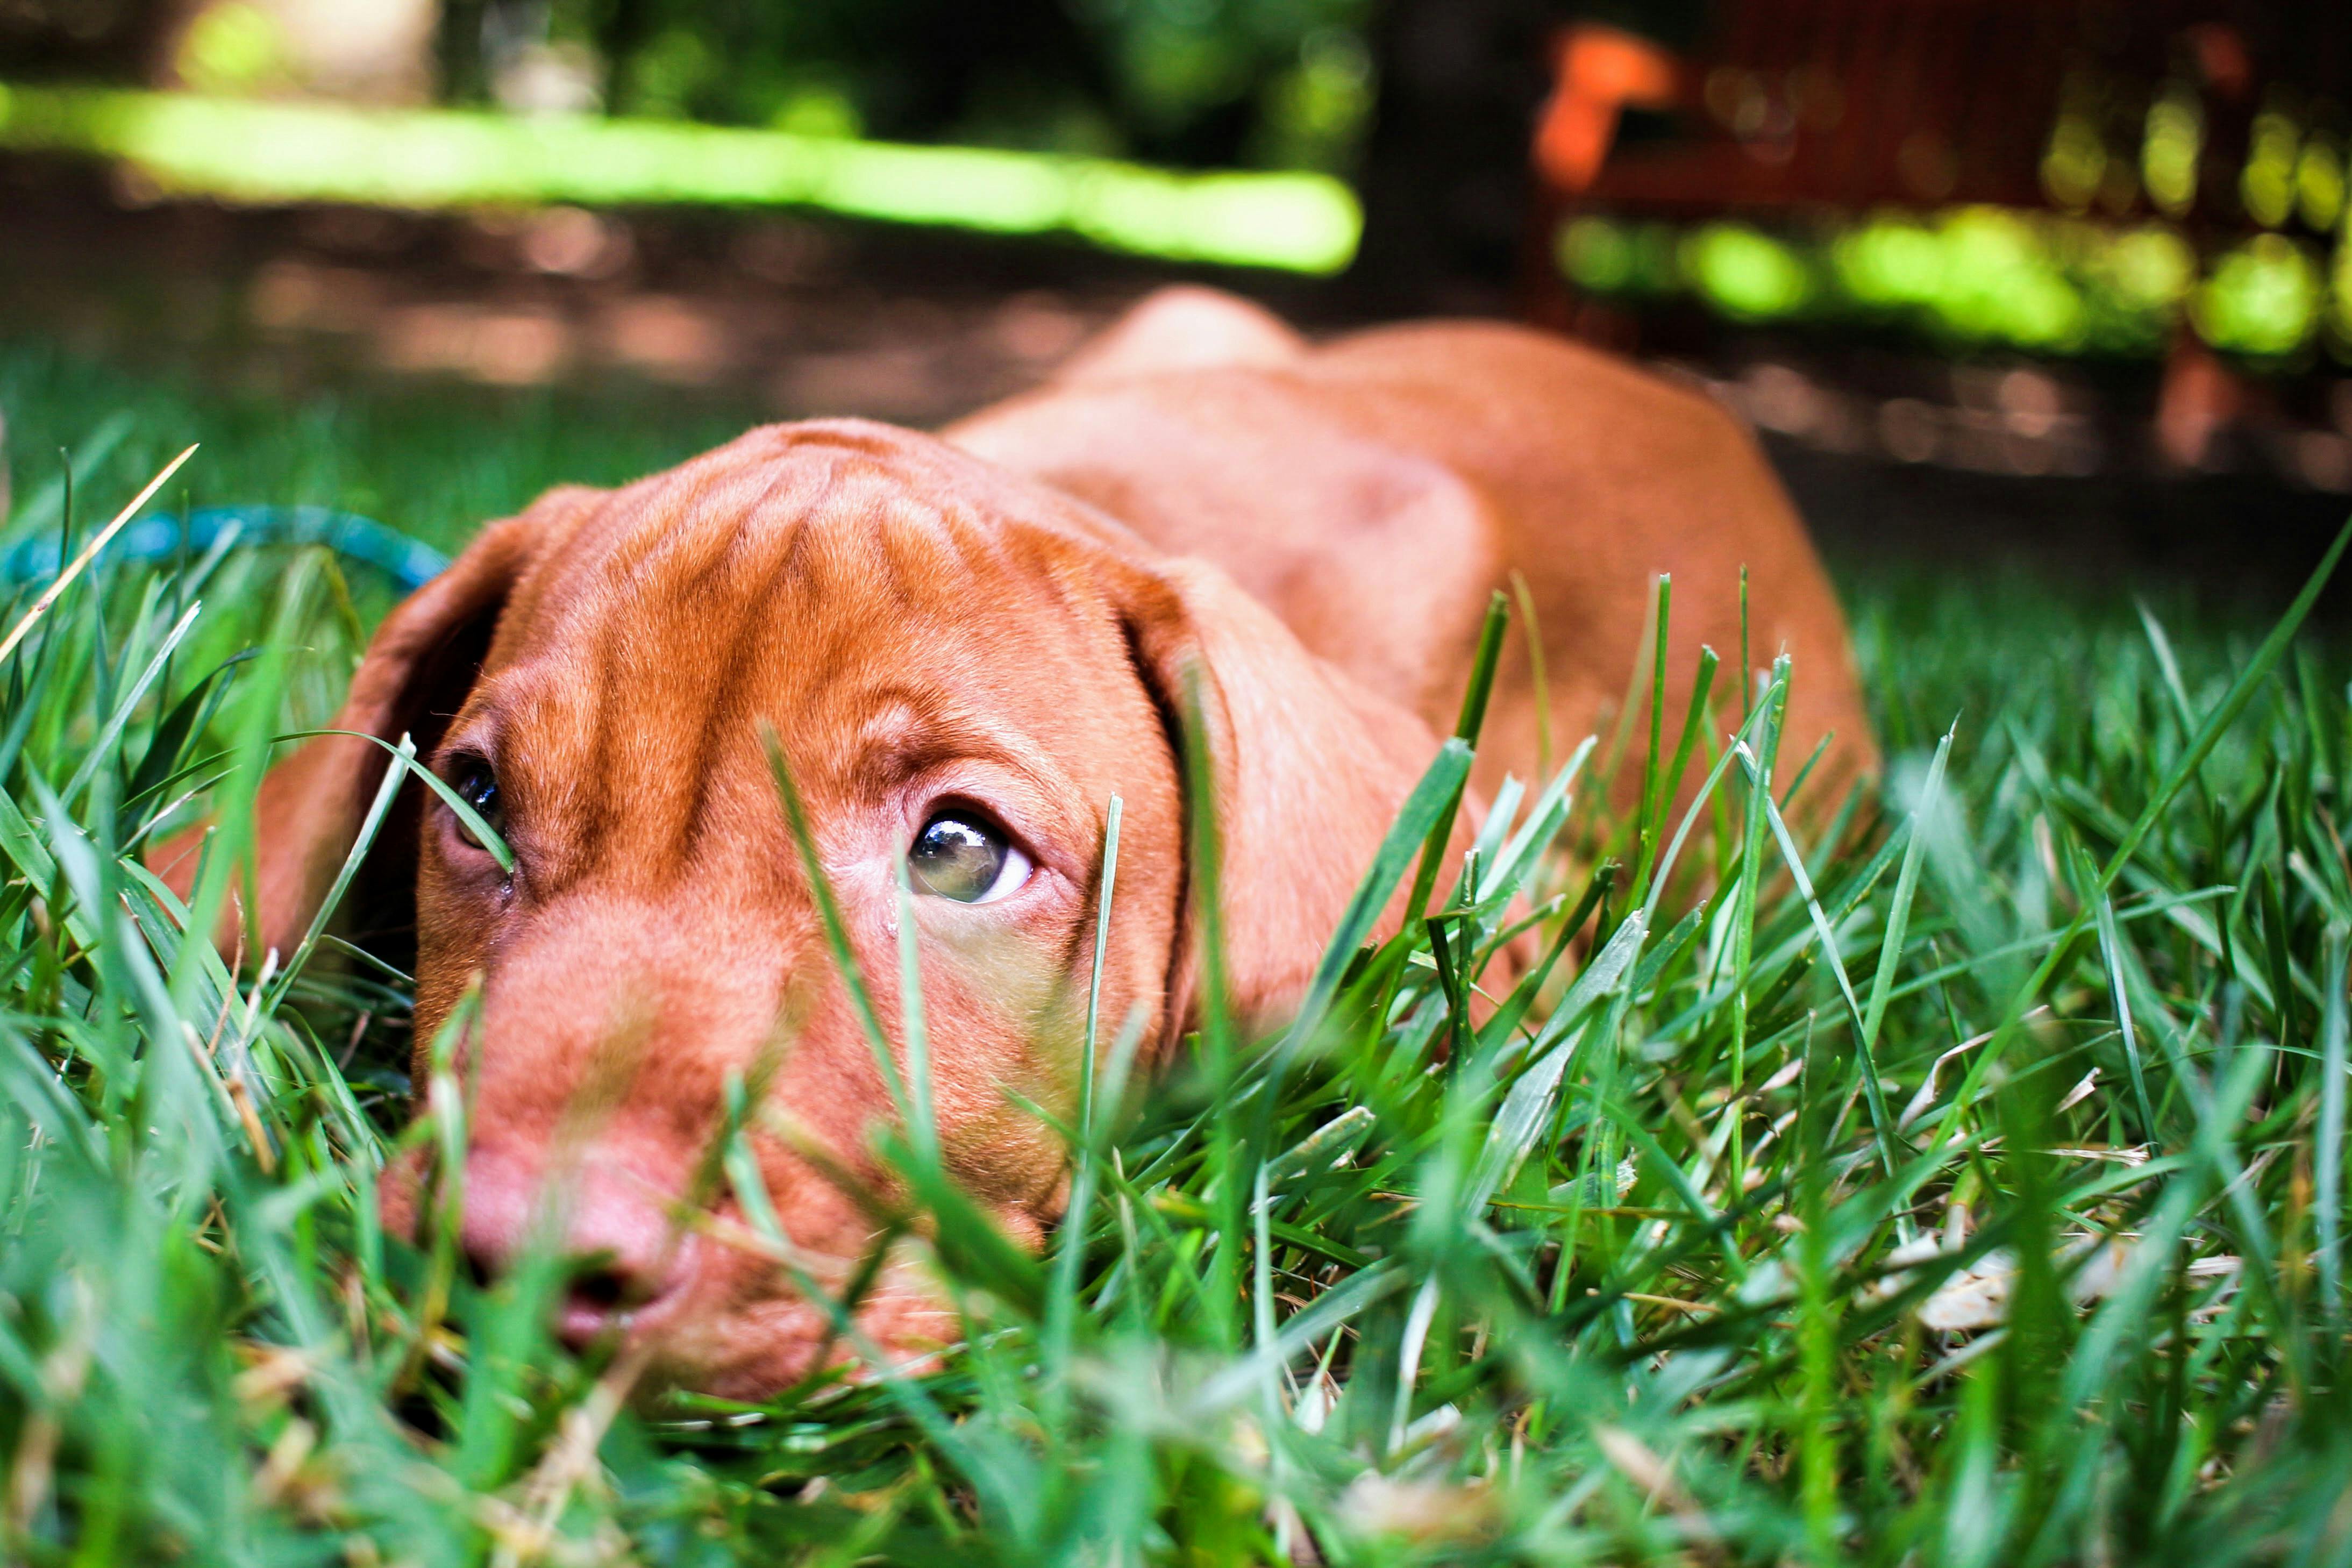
[965, 646]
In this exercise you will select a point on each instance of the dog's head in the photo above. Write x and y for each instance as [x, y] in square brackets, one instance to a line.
[958, 669]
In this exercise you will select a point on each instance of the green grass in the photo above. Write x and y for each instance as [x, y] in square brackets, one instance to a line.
[435, 461]
[1687, 1255]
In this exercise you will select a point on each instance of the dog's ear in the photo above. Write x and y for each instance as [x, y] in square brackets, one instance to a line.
[1307, 770]
[418, 668]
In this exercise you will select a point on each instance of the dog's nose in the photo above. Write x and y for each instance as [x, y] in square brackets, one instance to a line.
[617, 1235]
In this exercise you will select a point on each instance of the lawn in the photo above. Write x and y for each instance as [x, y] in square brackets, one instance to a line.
[1962, 1183]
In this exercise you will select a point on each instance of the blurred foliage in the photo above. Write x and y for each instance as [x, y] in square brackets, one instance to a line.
[1201, 83]
[81, 37]
[1282, 83]
[1983, 275]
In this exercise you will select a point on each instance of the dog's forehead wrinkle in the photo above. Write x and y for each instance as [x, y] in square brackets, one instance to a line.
[698, 523]
[772, 484]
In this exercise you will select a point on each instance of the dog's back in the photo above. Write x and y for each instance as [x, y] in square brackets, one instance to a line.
[1375, 490]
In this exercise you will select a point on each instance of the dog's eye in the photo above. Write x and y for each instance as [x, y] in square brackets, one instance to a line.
[478, 787]
[967, 859]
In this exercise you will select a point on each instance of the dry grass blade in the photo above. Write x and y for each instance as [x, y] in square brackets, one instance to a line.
[88, 553]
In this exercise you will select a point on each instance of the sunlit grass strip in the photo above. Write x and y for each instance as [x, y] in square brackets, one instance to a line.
[269, 152]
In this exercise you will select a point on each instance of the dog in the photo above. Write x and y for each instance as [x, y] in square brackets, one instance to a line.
[960, 646]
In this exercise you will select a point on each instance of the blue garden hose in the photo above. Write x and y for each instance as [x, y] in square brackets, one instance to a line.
[164, 537]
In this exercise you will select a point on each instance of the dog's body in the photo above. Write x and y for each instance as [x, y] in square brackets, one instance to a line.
[1376, 492]
[966, 646]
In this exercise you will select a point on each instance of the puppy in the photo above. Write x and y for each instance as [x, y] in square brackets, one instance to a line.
[962, 646]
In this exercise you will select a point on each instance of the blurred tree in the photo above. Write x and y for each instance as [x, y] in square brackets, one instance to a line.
[117, 39]
[1282, 83]
[1201, 83]
[1445, 181]
[1445, 176]
[1233, 82]
[375, 51]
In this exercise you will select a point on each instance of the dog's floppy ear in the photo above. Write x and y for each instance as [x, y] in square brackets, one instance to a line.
[419, 667]
[1307, 770]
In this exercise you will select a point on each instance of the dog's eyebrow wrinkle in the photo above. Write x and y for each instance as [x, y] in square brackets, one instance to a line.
[908, 737]
[484, 735]
[914, 734]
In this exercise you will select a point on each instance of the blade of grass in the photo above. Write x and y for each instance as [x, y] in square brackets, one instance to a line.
[2207, 735]
[98, 542]
[1531, 633]
[1070, 1240]
[1646, 830]
[378, 809]
[923, 1123]
[2111, 955]
[2328, 1150]
[1906, 887]
[1466, 726]
[836, 931]
[1880, 1123]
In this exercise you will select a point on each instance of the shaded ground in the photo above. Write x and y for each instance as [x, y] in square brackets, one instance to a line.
[702, 323]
